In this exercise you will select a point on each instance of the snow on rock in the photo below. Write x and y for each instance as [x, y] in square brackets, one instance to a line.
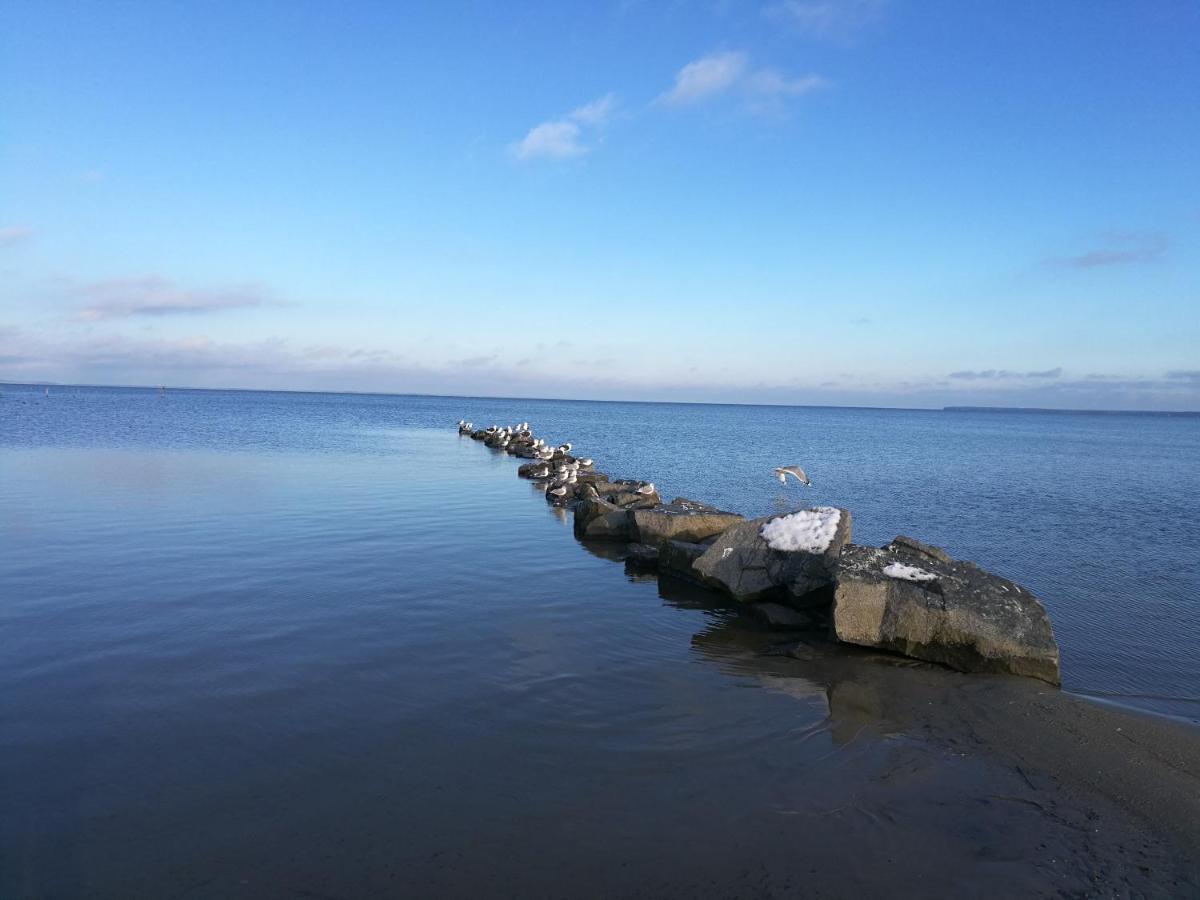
[810, 530]
[907, 573]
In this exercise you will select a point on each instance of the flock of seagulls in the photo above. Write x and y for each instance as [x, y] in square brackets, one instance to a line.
[560, 470]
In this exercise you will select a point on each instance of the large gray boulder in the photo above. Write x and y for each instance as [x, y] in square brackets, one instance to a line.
[785, 557]
[902, 599]
[597, 519]
[627, 494]
[680, 520]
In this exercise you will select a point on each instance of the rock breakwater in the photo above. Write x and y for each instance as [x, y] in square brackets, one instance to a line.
[907, 597]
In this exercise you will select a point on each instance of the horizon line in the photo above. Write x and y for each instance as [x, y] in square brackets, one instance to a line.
[950, 408]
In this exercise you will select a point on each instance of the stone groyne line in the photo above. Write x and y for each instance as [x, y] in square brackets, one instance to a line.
[906, 597]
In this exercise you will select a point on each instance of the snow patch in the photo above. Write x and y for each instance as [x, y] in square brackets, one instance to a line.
[907, 573]
[810, 530]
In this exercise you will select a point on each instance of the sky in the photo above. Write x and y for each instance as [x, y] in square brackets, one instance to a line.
[909, 203]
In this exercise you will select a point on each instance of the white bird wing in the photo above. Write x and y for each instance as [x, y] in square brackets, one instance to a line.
[784, 471]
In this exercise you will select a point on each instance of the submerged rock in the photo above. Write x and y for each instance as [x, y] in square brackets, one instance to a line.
[641, 558]
[748, 566]
[680, 520]
[905, 599]
[776, 615]
[677, 557]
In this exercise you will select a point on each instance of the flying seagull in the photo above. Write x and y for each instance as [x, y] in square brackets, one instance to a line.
[782, 472]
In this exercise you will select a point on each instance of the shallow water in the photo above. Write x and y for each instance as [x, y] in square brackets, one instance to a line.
[244, 633]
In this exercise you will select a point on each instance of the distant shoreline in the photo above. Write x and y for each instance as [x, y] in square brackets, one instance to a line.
[1073, 412]
[928, 409]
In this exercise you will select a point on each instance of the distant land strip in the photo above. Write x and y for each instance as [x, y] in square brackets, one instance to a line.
[1072, 412]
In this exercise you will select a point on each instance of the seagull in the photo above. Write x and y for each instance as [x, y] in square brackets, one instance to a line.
[782, 472]
[585, 462]
[647, 488]
[559, 491]
[565, 448]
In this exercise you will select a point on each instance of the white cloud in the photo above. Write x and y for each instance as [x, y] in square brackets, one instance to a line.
[153, 295]
[705, 77]
[770, 83]
[563, 138]
[1119, 248]
[828, 18]
[721, 73]
[14, 234]
[550, 140]
[595, 113]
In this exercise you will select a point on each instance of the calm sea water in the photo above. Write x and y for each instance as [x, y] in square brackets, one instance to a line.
[274, 628]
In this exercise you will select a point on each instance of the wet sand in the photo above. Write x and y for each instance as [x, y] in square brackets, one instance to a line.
[989, 785]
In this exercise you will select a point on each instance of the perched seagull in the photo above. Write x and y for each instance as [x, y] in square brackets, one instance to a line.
[782, 472]
[559, 491]
[565, 448]
[585, 462]
[646, 489]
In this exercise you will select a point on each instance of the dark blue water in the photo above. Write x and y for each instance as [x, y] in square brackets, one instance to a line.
[269, 629]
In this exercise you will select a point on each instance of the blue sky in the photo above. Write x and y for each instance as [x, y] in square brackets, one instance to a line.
[883, 202]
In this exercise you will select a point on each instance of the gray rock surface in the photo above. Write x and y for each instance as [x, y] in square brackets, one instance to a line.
[965, 618]
[742, 564]
[641, 558]
[680, 520]
[676, 558]
[624, 493]
[597, 519]
[906, 545]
